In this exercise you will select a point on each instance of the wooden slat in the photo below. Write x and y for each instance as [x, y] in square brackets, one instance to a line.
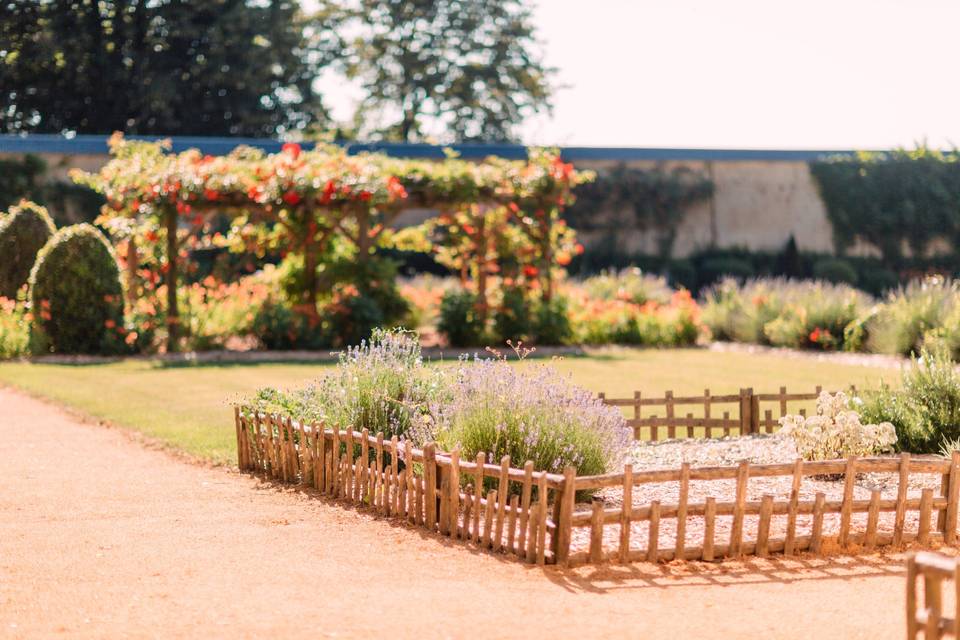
[850, 476]
[626, 511]
[394, 503]
[503, 491]
[763, 527]
[870, 537]
[596, 532]
[708, 526]
[411, 480]
[816, 535]
[467, 511]
[923, 528]
[791, 534]
[949, 528]
[682, 508]
[736, 529]
[453, 508]
[478, 491]
[512, 522]
[567, 504]
[488, 518]
[430, 485]
[542, 519]
[653, 538]
[901, 499]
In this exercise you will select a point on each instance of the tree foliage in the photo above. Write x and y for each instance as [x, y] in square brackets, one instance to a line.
[23, 232]
[76, 294]
[173, 67]
[472, 66]
[892, 200]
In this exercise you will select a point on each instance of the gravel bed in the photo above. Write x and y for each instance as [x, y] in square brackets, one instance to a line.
[762, 449]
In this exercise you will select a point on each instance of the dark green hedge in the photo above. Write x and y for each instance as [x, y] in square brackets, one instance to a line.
[23, 232]
[76, 295]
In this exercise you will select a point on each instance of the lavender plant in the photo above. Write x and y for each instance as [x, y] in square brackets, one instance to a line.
[529, 412]
[380, 385]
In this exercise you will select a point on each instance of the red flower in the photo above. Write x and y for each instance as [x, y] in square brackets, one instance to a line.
[530, 271]
[395, 188]
[578, 249]
[292, 149]
[109, 324]
[211, 194]
[151, 236]
[182, 208]
[815, 335]
[365, 196]
[328, 192]
[513, 207]
[292, 198]
[563, 259]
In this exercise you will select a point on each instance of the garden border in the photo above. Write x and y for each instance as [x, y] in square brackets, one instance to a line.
[513, 511]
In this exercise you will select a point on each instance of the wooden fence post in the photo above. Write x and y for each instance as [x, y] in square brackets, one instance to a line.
[567, 500]
[430, 484]
[746, 409]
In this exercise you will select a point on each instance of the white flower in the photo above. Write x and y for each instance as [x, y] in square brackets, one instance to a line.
[836, 431]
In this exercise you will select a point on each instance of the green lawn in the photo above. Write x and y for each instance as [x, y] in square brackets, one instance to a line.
[188, 406]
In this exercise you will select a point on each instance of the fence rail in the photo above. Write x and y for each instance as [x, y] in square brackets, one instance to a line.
[535, 516]
[741, 413]
[934, 568]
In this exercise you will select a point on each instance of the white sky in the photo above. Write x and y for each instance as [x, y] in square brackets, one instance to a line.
[745, 73]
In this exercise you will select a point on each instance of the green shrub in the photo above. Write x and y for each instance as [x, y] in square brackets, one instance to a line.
[278, 327]
[552, 323]
[926, 409]
[23, 232]
[835, 270]
[76, 295]
[910, 314]
[512, 320]
[783, 313]
[630, 285]
[459, 321]
[14, 326]
[714, 269]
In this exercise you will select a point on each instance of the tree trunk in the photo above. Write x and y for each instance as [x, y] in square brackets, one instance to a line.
[132, 259]
[547, 266]
[173, 313]
[310, 274]
[363, 236]
[483, 250]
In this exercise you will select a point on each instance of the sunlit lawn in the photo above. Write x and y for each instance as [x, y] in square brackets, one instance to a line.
[188, 406]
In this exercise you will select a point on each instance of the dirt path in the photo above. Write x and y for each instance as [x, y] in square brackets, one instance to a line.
[101, 537]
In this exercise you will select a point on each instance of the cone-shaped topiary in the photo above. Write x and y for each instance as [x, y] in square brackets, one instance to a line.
[23, 231]
[76, 294]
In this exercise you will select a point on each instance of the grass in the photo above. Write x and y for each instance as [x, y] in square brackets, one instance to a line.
[188, 406]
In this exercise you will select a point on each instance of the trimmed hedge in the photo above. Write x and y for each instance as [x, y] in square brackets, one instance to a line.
[23, 232]
[76, 295]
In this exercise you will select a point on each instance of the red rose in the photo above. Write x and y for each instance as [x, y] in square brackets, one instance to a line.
[292, 198]
[292, 149]
[530, 271]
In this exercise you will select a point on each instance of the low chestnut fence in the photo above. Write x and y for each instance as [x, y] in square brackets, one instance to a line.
[668, 416]
[535, 515]
[934, 568]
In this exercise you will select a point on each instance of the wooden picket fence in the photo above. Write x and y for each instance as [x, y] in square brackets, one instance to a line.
[534, 515]
[739, 413]
[934, 568]
[494, 506]
[765, 509]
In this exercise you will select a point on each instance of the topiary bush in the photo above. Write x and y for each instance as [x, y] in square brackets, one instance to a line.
[23, 232]
[459, 321]
[76, 295]
[835, 270]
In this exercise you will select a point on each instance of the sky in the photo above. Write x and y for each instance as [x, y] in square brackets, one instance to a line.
[811, 74]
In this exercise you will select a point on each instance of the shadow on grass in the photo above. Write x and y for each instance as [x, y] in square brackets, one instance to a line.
[610, 577]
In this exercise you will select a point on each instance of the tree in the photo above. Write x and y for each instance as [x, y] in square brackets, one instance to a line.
[172, 67]
[468, 67]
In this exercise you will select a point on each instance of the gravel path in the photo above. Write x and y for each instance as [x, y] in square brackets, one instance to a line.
[101, 537]
[764, 449]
